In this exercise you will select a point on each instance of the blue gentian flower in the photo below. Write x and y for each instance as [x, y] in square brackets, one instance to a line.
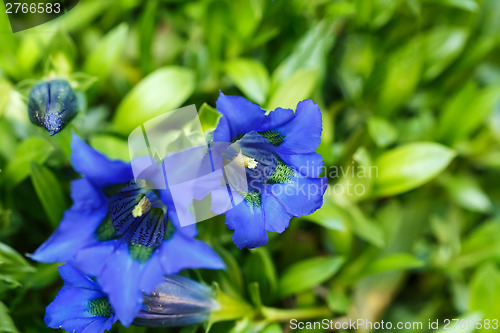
[177, 301]
[52, 105]
[80, 306]
[122, 233]
[278, 151]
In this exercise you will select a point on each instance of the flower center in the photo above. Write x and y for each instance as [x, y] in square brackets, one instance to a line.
[142, 207]
[137, 216]
[245, 161]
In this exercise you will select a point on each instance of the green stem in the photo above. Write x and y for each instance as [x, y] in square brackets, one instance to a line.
[273, 314]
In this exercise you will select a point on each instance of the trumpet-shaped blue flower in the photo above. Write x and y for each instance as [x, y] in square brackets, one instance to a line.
[177, 301]
[121, 233]
[282, 168]
[80, 306]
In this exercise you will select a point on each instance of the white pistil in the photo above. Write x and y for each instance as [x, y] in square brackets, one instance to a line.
[245, 161]
[141, 207]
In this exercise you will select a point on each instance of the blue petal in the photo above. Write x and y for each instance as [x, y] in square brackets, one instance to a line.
[100, 325]
[152, 274]
[181, 252]
[75, 231]
[248, 225]
[303, 133]
[73, 277]
[120, 279]
[301, 197]
[276, 118]
[92, 259]
[98, 168]
[240, 116]
[188, 230]
[276, 216]
[70, 304]
[309, 165]
[86, 196]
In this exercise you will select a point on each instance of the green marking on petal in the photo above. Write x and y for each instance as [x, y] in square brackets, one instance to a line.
[252, 199]
[100, 307]
[273, 136]
[140, 252]
[282, 174]
[106, 230]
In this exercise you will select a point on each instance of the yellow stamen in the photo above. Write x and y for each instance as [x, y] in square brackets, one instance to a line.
[245, 161]
[141, 207]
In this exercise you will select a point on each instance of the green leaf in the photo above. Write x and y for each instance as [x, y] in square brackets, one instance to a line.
[441, 46]
[209, 117]
[401, 78]
[10, 257]
[468, 5]
[34, 149]
[410, 166]
[381, 131]
[6, 323]
[49, 192]
[259, 268]
[308, 273]
[309, 54]
[395, 261]
[107, 53]
[251, 77]
[467, 193]
[111, 146]
[481, 245]
[466, 111]
[297, 88]
[13, 267]
[162, 91]
[485, 291]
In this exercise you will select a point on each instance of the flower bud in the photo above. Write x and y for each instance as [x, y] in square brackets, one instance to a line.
[177, 301]
[52, 105]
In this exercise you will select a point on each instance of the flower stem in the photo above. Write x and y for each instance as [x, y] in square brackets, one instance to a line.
[273, 314]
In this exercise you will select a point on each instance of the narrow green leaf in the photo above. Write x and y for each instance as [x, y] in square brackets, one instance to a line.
[34, 149]
[6, 323]
[402, 76]
[251, 77]
[395, 261]
[441, 46]
[162, 91]
[111, 146]
[107, 53]
[381, 131]
[49, 192]
[209, 117]
[297, 88]
[259, 268]
[485, 291]
[410, 166]
[308, 273]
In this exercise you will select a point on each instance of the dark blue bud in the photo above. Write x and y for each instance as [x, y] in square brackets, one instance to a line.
[52, 105]
[177, 301]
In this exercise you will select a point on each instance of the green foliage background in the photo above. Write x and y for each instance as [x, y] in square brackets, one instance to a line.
[409, 87]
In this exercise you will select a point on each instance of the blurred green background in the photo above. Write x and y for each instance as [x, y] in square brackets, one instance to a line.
[408, 88]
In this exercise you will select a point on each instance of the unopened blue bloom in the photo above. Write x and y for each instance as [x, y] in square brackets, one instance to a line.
[80, 306]
[177, 301]
[122, 233]
[52, 105]
[278, 151]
